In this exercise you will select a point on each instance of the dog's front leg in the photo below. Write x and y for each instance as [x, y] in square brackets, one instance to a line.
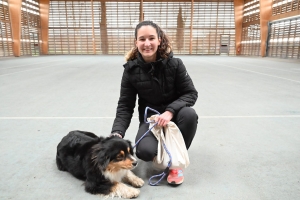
[124, 191]
[133, 180]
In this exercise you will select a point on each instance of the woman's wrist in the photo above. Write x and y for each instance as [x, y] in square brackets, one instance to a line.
[115, 134]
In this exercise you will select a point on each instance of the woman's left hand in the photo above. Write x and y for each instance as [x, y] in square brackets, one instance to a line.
[164, 119]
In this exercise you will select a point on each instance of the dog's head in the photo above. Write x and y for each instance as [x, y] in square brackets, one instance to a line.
[113, 154]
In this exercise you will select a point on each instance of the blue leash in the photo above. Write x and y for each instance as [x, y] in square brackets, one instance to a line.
[166, 171]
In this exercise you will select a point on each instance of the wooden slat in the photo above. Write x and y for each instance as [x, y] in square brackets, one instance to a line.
[6, 47]
[238, 14]
[265, 16]
[15, 21]
[284, 39]
[251, 40]
[44, 14]
[280, 7]
[251, 37]
[67, 19]
[30, 28]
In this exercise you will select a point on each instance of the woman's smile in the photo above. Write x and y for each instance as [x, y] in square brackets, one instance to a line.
[147, 43]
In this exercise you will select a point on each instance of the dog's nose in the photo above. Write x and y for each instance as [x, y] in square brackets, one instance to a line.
[134, 163]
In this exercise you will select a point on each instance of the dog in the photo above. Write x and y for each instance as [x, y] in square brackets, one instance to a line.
[103, 163]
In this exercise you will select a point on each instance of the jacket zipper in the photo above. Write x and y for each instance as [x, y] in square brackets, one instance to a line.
[160, 86]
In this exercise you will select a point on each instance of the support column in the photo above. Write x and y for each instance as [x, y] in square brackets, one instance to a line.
[44, 14]
[191, 27]
[265, 16]
[238, 19]
[141, 11]
[15, 24]
[93, 29]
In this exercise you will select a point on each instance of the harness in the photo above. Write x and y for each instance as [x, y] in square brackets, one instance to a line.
[166, 171]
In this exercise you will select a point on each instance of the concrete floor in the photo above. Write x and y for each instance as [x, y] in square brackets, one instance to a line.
[247, 144]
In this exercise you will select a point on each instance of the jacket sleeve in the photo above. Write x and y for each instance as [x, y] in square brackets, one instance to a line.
[185, 89]
[126, 105]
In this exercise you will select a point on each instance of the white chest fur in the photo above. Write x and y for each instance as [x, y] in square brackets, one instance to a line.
[115, 176]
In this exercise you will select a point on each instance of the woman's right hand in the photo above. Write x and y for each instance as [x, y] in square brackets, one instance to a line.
[164, 119]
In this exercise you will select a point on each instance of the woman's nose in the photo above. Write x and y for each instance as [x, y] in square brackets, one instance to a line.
[147, 42]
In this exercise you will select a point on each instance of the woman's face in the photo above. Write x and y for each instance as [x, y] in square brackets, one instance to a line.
[147, 43]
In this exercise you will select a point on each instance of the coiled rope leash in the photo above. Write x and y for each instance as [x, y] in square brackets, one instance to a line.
[166, 171]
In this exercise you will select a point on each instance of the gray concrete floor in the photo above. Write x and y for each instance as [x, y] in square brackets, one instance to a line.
[247, 144]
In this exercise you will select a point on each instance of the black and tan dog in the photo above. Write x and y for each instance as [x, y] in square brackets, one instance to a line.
[101, 162]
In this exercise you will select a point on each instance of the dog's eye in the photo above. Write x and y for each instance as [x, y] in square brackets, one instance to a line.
[120, 156]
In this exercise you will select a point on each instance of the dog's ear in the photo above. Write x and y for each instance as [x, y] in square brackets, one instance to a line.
[130, 145]
[100, 157]
[103, 160]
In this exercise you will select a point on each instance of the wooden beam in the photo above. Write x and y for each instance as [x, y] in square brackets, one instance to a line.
[191, 27]
[265, 17]
[141, 11]
[285, 15]
[247, 24]
[15, 24]
[238, 19]
[153, 1]
[93, 29]
[44, 14]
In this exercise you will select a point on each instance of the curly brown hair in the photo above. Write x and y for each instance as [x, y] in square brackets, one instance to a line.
[164, 48]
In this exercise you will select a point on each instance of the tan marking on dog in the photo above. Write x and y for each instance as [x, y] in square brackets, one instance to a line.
[116, 166]
[124, 164]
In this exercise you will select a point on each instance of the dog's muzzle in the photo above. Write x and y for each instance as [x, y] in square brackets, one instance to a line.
[134, 162]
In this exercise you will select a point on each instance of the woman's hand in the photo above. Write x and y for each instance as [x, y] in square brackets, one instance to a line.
[164, 119]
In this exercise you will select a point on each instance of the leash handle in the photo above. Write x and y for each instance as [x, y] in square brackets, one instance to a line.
[146, 113]
[165, 172]
[145, 119]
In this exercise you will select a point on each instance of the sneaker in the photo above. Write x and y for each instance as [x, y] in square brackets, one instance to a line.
[175, 177]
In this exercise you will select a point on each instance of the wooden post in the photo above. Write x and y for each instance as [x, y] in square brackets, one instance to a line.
[238, 18]
[93, 29]
[265, 16]
[141, 11]
[103, 29]
[15, 24]
[44, 14]
[191, 28]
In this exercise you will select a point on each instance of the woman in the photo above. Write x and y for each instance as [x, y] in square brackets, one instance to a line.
[161, 82]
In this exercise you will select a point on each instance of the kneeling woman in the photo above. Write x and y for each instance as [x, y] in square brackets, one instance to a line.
[161, 82]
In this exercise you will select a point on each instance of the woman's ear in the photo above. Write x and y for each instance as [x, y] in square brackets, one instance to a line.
[135, 42]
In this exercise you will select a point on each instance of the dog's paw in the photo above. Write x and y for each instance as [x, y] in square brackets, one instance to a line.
[124, 191]
[131, 193]
[133, 180]
[137, 182]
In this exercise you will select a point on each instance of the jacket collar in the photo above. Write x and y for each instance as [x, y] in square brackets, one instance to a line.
[148, 67]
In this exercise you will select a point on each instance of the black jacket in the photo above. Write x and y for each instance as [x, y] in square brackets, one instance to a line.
[163, 85]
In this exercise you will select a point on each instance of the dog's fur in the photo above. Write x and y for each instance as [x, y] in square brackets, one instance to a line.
[101, 162]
